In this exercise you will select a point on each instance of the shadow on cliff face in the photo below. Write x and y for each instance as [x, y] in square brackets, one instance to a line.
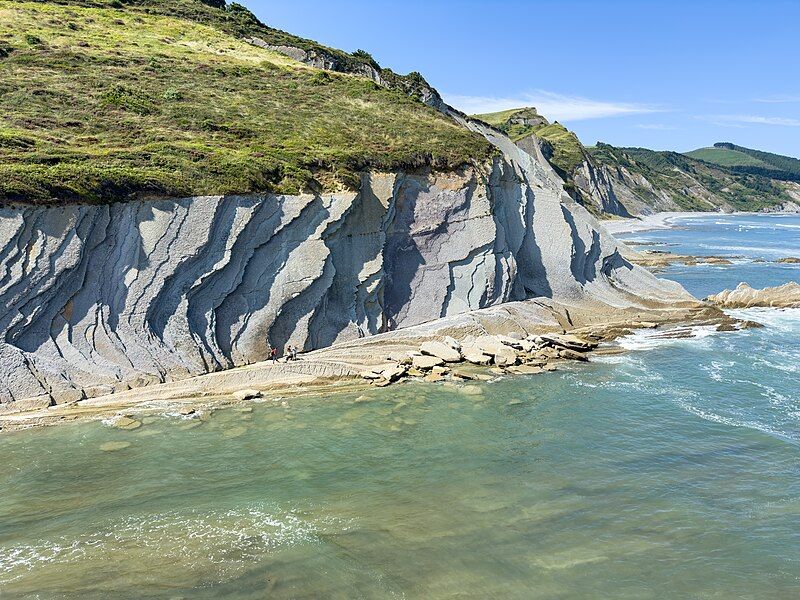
[354, 297]
[402, 256]
[518, 239]
[584, 263]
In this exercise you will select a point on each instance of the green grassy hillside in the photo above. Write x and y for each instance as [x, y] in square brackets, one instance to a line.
[725, 157]
[746, 160]
[104, 100]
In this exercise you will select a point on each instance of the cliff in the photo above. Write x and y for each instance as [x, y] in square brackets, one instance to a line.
[115, 296]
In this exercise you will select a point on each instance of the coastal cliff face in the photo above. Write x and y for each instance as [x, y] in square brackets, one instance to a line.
[106, 297]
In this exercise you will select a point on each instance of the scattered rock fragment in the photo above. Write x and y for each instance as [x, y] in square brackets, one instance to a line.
[247, 394]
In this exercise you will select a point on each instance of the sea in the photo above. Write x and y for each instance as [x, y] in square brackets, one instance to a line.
[671, 470]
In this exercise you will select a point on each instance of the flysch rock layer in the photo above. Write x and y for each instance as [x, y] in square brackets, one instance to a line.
[104, 298]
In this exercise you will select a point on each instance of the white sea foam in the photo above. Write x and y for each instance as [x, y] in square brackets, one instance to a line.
[647, 339]
[783, 319]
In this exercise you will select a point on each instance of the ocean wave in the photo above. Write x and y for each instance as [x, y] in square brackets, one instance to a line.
[228, 539]
[730, 421]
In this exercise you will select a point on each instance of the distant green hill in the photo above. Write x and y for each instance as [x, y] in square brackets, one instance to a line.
[745, 160]
[104, 100]
[725, 157]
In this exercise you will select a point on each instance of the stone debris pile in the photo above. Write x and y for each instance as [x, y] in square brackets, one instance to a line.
[436, 359]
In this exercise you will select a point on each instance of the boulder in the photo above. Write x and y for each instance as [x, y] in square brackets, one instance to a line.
[394, 372]
[474, 355]
[510, 341]
[571, 354]
[433, 377]
[440, 350]
[463, 375]
[247, 394]
[571, 342]
[186, 411]
[452, 342]
[440, 370]
[426, 362]
[502, 354]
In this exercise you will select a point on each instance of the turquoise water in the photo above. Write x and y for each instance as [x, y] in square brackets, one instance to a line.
[671, 471]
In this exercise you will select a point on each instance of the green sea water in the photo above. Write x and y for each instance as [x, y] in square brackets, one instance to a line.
[671, 471]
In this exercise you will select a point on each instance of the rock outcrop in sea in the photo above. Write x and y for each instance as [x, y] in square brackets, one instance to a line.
[102, 298]
[744, 296]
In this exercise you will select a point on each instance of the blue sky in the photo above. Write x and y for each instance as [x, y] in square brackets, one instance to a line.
[663, 75]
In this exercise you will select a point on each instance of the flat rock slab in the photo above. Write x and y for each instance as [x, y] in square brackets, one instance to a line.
[526, 370]
[425, 362]
[440, 350]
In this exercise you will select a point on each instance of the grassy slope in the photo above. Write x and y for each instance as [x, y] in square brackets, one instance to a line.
[101, 103]
[724, 157]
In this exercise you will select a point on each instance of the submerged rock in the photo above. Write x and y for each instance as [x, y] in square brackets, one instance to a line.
[126, 422]
[114, 446]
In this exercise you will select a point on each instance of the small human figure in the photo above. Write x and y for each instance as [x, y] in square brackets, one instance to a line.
[273, 354]
[288, 353]
[294, 352]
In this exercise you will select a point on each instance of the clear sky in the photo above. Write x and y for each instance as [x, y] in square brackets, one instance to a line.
[672, 75]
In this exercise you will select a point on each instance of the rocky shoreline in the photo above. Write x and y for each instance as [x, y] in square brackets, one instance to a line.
[516, 339]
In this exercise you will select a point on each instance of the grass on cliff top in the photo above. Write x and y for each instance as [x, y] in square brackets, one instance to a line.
[102, 104]
[725, 157]
[516, 131]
